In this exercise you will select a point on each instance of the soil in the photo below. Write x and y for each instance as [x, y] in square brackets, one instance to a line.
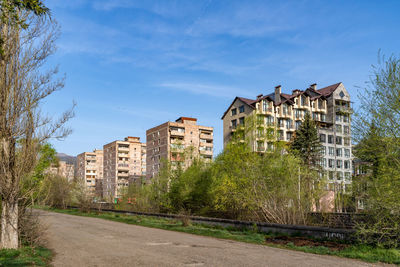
[305, 242]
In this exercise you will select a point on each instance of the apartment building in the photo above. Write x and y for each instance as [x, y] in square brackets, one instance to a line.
[329, 107]
[90, 170]
[64, 169]
[170, 139]
[124, 163]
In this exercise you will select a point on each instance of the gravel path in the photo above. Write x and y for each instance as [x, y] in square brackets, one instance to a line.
[82, 241]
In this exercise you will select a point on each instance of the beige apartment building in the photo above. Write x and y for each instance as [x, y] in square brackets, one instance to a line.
[329, 107]
[169, 141]
[90, 170]
[64, 169]
[124, 163]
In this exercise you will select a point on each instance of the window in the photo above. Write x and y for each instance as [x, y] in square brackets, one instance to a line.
[331, 151]
[347, 153]
[338, 140]
[338, 152]
[339, 164]
[234, 123]
[234, 111]
[314, 116]
[303, 100]
[346, 118]
[284, 109]
[323, 117]
[338, 128]
[339, 175]
[346, 141]
[241, 121]
[281, 122]
[331, 175]
[289, 136]
[347, 164]
[298, 123]
[347, 175]
[346, 129]
[241, 109]
[297, 113]
[338, 118]
[331, 163]
[323, 162]
[265, 105]
[322, 138]
[323, 150]
[270, 120]
[289, 124]
[330, 139]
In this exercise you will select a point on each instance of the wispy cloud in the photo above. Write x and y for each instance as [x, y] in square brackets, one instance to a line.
[205, 89]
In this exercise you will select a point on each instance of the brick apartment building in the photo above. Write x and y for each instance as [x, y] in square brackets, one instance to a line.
[124, 163]
[328, 106]
[169, 140]
[90, 170]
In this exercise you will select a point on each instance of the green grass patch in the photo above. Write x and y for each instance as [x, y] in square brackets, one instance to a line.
[25, 256]
[355, 251]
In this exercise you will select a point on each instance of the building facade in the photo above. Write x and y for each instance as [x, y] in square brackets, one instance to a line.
[124, 163]
[169, 141]
[329, 107]
[90, 170]
[64, 169]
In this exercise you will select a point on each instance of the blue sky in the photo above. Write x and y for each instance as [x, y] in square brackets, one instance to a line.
[131, 65]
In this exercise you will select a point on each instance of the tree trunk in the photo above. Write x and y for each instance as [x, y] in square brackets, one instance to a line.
[9, 224]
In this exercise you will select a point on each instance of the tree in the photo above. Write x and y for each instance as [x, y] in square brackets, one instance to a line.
[377, 133]
[23, 87]
[306, 143]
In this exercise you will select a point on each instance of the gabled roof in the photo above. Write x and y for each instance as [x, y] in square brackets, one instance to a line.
[247, 101]
[327, 91]
[286, 98]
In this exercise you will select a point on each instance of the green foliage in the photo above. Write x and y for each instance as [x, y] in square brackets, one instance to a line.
[377, 130]
[25, 256]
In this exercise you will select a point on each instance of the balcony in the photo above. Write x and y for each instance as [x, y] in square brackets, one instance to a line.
[123, 155]
[123, 174]
[123, 166]
[206, 152]
[206, 136]
[122, 148]
[343, 109]
[177, 133]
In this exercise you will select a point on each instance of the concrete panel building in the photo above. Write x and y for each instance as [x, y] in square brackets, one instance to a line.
[90, 170]
[329, 107]
[124, 163]
[64, 169]
[169, 140]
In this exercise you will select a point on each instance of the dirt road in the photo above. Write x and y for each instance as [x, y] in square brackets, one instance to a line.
[81, 241]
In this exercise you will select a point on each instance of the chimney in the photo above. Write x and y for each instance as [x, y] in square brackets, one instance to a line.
[296, 91]
[277, 94]
[314, 86]
[259, 96]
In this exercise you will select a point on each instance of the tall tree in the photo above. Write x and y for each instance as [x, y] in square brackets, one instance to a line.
[376, 128]
[23, 87]
[306, 144]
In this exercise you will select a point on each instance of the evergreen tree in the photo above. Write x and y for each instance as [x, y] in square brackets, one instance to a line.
[306, 144]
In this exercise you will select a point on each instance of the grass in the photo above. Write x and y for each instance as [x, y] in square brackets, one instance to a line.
[25, 256]
[355, 251]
